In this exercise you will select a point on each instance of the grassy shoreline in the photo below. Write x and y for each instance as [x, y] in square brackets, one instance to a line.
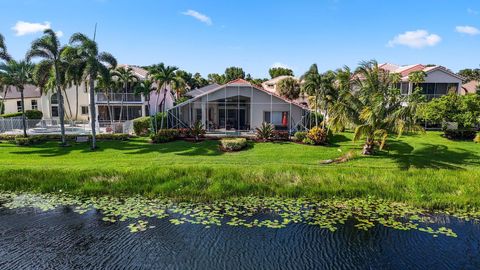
[422, 170]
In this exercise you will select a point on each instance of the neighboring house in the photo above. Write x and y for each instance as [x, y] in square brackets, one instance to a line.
[32, 98]
[237, 106]
[470, 88]
[439, 80]
[272, 86]
[134, 105]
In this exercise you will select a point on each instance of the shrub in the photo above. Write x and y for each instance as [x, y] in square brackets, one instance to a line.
[460, 134]
[280, 135]
[10, 115]
[316, 115]
[141, 126]
[70, 137]
[183, 132]
[197, 131]
[300, 136]
[164, 135]
[159, 117]
[477, 138]
[265, 131]
[33, 114]
[316, 136]
[26, 141]
[232, 144]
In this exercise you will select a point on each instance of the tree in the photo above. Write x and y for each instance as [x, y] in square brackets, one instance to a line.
[374, 107]
[75, 71]
[217, 78]
[48, 48]
[199, 81]
[470, 74]
[289, 88]
[416, 78]
[164, 76]
[126, 77]
[145, 88]
[105, 84]
[18, 74]
[3, 50]
[95, 62]
[280, 71]
[233, 73]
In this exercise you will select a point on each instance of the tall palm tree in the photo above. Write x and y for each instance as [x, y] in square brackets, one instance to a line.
[49, 49]
[164, 76]
[75, 71]
[95, 62]
[145, 88]
[373, 107]
[126, 77]
[416, 78]
[3, 50]
[18, 74]
[106, 84]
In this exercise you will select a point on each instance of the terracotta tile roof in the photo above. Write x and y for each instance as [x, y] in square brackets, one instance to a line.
[470, 87]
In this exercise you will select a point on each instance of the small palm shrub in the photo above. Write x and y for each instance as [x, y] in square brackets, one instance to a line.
[265, 131]
[316, 136]
[233, 144]
[299, 136]
[197, 131]
[477, 138]
[164, 135]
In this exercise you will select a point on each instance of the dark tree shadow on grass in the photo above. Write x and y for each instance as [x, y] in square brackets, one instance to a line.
[429, 156]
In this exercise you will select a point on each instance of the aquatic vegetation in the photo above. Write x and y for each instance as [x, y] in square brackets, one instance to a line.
[274, 213]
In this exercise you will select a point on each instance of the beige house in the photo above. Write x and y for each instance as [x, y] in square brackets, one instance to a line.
[237, 106]
[12, 101]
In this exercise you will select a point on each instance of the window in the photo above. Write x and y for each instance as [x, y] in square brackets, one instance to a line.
[34, 104]
[54, 105]
[198, 115]
[19, 106]
[84, 110]
[276, 118]
[404, 88]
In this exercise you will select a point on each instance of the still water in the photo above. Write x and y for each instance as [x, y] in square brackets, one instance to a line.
[62, 239]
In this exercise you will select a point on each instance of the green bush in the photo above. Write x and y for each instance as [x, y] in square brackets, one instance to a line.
[280, 135]
[477, 138]
[265, 131]
[142, 125]
[26, 141]
[197, 130]
[33, 114]
[164, 135]
[159, 117]
[299, 136]
[316, 136]
[233, 144]
[459, 134]
[10, 115]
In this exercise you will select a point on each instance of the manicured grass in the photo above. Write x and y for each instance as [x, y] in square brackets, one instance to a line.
[424, 170]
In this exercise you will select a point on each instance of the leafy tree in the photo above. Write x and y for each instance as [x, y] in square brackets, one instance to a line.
[289, 88]
[233, 73]
[18, 74]
[279, 71]
[217, 78]
[3, 50]
[374, 107]
[164, 76]
[48, 48]
[198, 81]
[95, 62]
[470, 74]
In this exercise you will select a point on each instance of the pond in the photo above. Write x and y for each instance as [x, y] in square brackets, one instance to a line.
[61, 238]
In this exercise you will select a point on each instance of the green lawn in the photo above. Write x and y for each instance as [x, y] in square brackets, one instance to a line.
[425, 170]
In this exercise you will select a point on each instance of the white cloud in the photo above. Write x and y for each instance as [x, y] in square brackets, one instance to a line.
[199, 16]
[472, 11]
[415, 39]
[59, 34]
[22, 28]
[466, 29]
[280, 65]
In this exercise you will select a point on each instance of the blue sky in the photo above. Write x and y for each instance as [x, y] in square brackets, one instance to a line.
[208, 36]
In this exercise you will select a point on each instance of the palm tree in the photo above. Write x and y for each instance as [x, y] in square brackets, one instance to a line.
[417, 77]
[179, 86]
[289, 88]
[95, 62]
[18, 74]
[126, 77]
[75, 71]
[164, 76]
[3, 50]
[145, 88]
[373, 107]
[105, 84]
[48, 48]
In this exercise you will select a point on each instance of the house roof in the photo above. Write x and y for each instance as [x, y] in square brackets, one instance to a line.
[30, 91]
[199, 91]
[238, 82]
[277, 79]
[406, 70]
[470, 87]
[138, 71]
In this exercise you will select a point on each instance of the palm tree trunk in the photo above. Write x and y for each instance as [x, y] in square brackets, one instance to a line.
[76, 102]
[316, 109]
[93, 114]
[61, 115]
[109, 110]
[163, 107]
[68, 103]
[24, 118]
[5, 97]
[156, 112]
[368, 147]
[121, 105]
